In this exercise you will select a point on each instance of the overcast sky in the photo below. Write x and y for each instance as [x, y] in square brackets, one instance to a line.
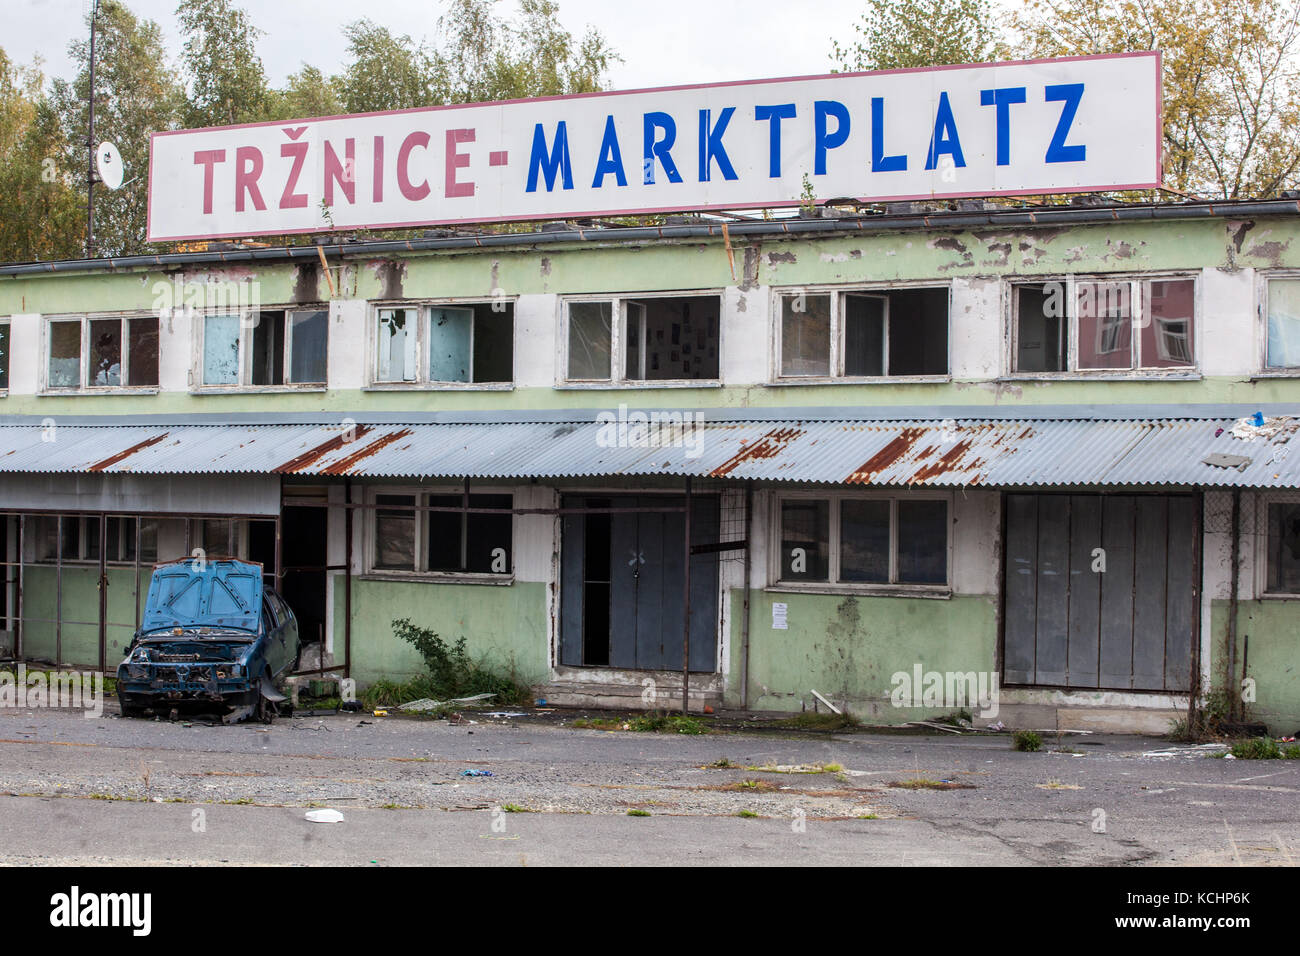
[662, 43]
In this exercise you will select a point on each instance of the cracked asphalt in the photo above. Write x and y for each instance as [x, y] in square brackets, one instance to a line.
[106, 790]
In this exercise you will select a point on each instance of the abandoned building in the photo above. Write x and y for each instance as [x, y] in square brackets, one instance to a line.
[1048, 444]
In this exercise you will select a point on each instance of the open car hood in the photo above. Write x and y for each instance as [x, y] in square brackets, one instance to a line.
[215, 594]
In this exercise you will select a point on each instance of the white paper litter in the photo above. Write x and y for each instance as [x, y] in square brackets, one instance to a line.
[324, 816]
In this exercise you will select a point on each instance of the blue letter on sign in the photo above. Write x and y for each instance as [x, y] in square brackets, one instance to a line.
[1002, 99]
[711, 145]
[654, 123]
[611, 158]
[1058, 152]
[822, 140]
[774, 115]
[944, 138]
[557, 161]
[880, 163]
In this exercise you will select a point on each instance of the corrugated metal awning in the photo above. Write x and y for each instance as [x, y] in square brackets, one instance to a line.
[986, 452]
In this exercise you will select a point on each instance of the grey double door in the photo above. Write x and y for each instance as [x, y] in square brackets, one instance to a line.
[1100, 590]
[621, 583]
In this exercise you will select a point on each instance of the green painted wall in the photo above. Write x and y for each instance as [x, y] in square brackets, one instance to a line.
[1268, 633]
[503, 624]
[80, 641]
[849, 647]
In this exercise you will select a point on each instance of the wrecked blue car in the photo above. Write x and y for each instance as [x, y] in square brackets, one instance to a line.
[211, 637]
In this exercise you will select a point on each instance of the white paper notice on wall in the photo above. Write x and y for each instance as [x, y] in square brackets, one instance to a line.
[780, 616]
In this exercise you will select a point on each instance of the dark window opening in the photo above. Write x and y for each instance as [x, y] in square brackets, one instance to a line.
[896, 332]
[672, 338]
[470, 543]
[268, 349]
[1040, 329]
[596, 586]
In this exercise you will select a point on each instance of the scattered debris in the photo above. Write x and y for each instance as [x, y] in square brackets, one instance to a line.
[833, 708]
[505, 714]
[1257, 426]
[475, 772]
[381, 713]
[324, 816]
[1220, 460]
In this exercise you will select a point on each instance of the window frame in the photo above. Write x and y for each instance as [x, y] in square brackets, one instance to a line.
[1136, 281]
[1262, 503]
[245, 384]
[619, 302]
[125, 523]
[423, 310]
[839, 292]
[420, 572]
[833, 584]
[1263, 278]
[84, 386]
[6, 370]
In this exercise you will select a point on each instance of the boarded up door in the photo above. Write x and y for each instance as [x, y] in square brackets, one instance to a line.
[621, 578]
[1101, 591]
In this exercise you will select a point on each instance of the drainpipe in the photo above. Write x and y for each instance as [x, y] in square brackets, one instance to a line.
[686, 607]
[347, 579]
[1233, 709]
[744, 614]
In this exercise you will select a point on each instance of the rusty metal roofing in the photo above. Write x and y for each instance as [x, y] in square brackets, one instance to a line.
[1003, 453]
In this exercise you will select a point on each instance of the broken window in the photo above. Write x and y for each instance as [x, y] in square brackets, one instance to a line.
[449, 542]
[856, 540]
[142, 352]
[661, 338]
[1104, 324]
[672, 337]
[222, 537]
[395, 532]
[4, 356]
[81, 539]
[865, 333]
[469, 344]
[1283, 548]
[1283, 323]
[273, 348]
[65, 354]
[590, 340]
[396, 348]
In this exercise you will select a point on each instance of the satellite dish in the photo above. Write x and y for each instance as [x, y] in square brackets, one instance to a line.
[109, 163]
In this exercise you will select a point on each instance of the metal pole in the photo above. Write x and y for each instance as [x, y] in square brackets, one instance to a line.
[18, 597]
[90, 143]
[744, 620]
[1233, 696]
[136, 622]
[103, 591]
[347, 579]
[686, 607]
[58, 591]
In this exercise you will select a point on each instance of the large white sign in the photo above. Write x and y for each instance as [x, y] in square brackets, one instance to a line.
[1035, 127]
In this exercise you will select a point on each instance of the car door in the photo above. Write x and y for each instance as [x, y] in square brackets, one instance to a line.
[288, 629]
[274, 637]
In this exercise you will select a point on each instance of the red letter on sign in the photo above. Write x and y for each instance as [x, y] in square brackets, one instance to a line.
[248, 167]
[290, 199]
[345, 172]
[456, 161]
[207, 158]
[378, 187]
[409, 189]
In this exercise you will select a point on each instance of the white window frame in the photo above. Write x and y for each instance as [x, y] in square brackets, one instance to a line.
[245, 360]
[1263, 278]
[423, 309]
[422, 494]
[1262, 502]
[7, 323]
[839, 293]
[1137, 306]
[835, 586]
[619, 303]
[84, 386]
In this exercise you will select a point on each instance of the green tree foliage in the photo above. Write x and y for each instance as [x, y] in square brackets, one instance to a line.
[40, 206]
[136, 94]
[386, 72]
[309, 92]
[896, 34]
[1231, 81]
[224, 79]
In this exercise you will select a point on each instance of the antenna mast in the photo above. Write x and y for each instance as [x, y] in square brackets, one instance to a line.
[90, 143]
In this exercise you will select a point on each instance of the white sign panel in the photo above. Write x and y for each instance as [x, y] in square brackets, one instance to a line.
[1048, 126]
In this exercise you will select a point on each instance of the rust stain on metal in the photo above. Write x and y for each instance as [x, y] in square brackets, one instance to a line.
[769, 446]
[383, 441]
[314, 455]
[897, 447]
[138, 446]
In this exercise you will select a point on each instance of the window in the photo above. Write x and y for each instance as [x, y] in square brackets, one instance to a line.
[266, 349]
[643, 339]
[854, 540]
[222, 537]
[1283, 308]
[81, 539]
[4, 356]
[470, 344]
[1283, 543]
[443, 542]
[118, 353]
[1076, 324]
[869, 333]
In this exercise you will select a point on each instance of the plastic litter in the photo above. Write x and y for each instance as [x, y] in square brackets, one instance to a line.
[476, 773]
[324, 816]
